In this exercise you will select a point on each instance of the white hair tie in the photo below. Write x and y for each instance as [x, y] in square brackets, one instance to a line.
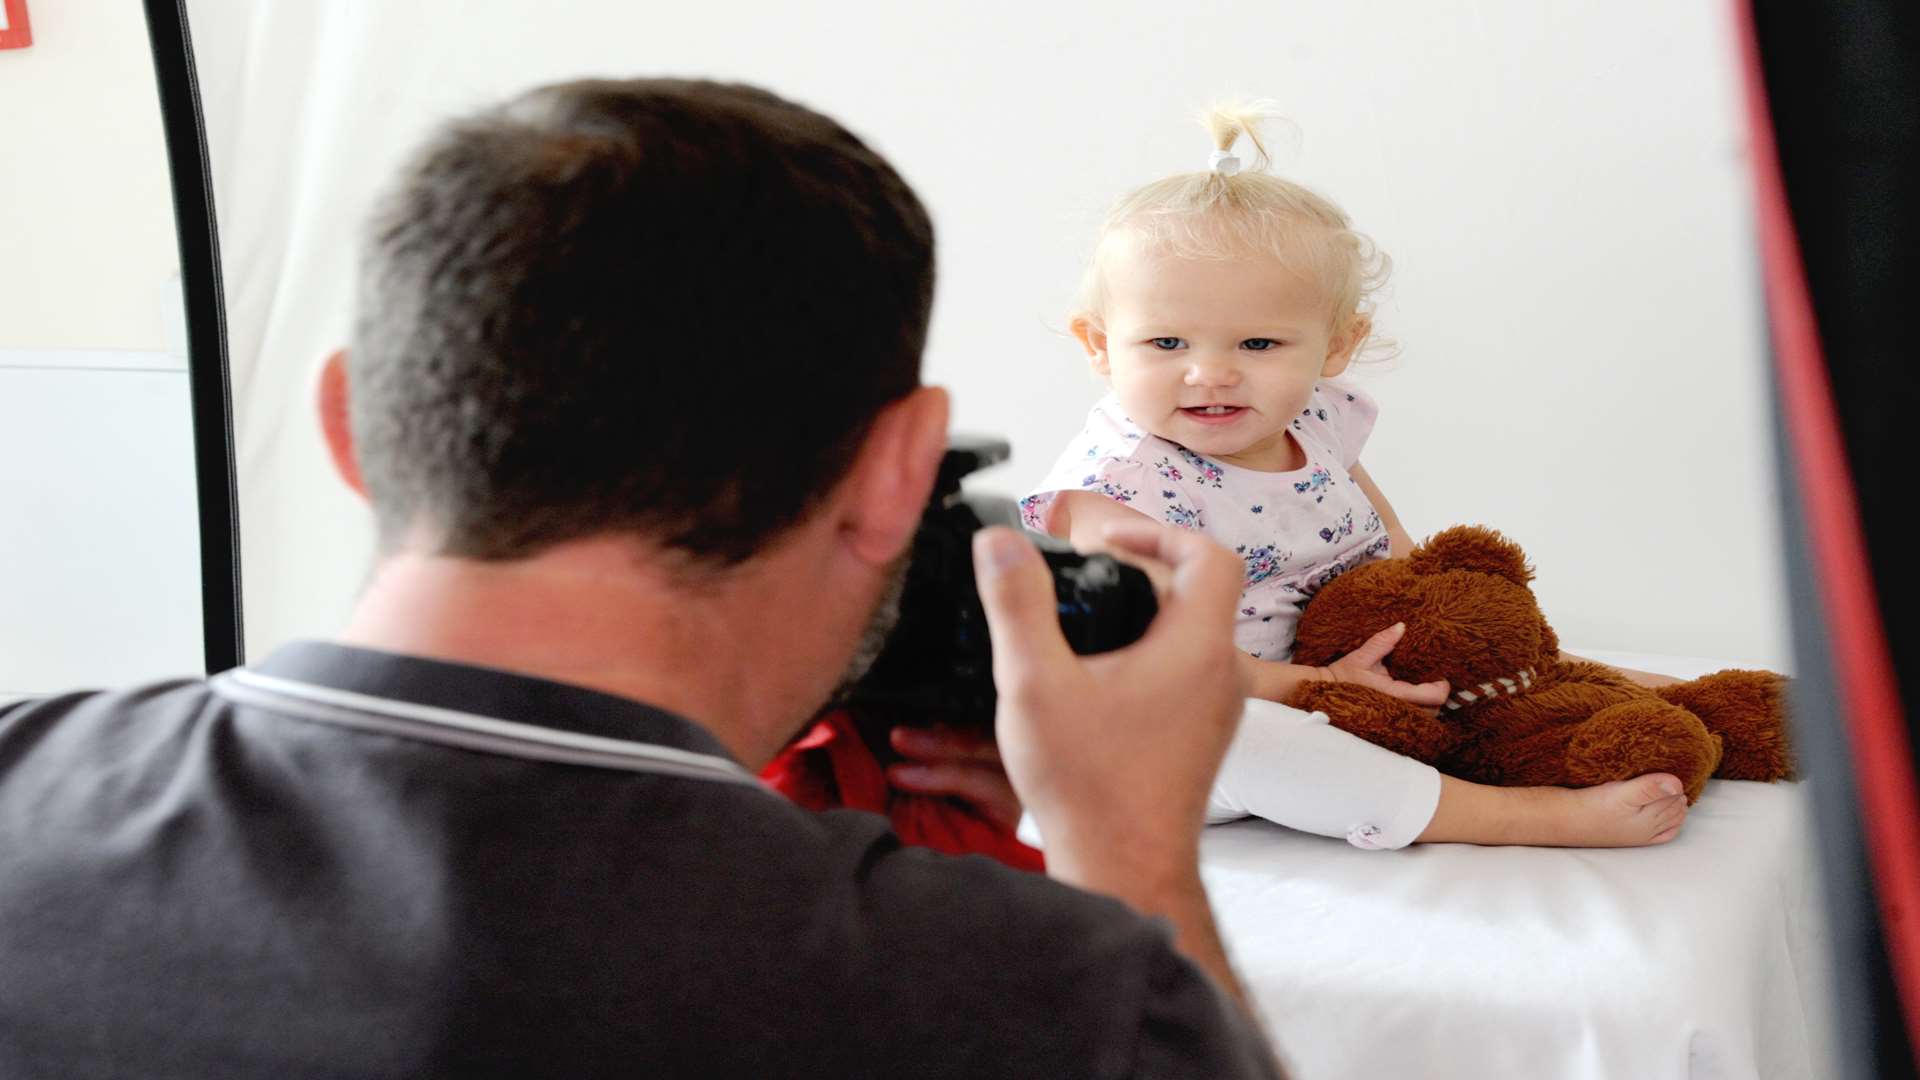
[1223, 163]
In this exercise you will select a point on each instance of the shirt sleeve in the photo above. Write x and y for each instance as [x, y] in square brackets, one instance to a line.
[1189, 1027]
[1160, 491]
[1343, 414]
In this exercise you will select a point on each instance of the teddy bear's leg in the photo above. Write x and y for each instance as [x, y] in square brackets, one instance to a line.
[1747, 710]
[1641, 736]
[1382, 720]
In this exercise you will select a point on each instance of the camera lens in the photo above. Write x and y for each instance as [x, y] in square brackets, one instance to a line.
[937, 665]
[1104, 604]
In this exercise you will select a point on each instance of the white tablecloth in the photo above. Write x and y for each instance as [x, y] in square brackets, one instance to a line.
[1702, 958]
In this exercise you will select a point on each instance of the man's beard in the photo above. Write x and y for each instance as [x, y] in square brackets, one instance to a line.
[886, 612]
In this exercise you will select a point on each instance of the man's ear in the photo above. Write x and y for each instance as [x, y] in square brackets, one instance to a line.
[1345, 344]
[893, 474]
[1093, 338]
[334, 424]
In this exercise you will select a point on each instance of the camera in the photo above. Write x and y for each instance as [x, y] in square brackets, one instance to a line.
[936, 667]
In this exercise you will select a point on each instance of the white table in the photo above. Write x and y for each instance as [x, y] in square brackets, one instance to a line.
[1702, 958]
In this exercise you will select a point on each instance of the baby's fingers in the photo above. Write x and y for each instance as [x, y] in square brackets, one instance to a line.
[1426, 693]
[1430, 694]
[1376, 648]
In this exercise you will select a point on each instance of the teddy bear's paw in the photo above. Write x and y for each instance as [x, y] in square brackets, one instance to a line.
[1385, 721]
[1643, 736]
[1747, 709]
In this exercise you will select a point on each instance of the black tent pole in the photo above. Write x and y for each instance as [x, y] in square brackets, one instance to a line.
[207, 369]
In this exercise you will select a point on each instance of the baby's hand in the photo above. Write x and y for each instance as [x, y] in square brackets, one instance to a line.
[1366, 666]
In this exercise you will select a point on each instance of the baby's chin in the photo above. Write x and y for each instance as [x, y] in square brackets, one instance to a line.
[1264, 451]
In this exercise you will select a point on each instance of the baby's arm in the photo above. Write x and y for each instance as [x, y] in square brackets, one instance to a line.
[1364, 666]
[1402, 543]
[1081, 518]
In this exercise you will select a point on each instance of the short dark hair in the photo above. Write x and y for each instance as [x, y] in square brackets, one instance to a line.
[661, 306]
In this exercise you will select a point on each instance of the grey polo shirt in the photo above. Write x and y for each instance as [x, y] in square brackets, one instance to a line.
[347, 863]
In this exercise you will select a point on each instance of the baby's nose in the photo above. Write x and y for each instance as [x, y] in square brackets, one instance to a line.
[1212, 372]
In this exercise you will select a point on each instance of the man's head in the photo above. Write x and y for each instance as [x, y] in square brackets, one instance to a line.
[663, 307]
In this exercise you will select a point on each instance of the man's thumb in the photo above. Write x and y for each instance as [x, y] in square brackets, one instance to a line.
[1023, 615]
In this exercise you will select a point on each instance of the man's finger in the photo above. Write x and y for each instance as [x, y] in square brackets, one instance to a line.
[985, 789]
[934, 744]
[1159, 573]
[1023, 613]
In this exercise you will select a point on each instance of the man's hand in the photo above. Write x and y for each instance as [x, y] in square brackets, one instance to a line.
[1114, 754]
[959, 764]
[1117, 749]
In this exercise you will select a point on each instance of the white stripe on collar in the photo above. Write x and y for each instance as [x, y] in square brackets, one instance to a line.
[470, 731]
[1521, 681]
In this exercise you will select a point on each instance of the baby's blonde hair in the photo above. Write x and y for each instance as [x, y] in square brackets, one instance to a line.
[1210, 215]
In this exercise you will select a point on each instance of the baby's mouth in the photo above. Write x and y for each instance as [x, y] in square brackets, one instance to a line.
[1213, 413]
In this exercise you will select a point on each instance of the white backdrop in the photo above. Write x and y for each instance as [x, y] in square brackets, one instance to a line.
[99, 556]
[1561, 186]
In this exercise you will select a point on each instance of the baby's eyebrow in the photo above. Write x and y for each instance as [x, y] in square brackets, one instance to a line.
[1150, 331]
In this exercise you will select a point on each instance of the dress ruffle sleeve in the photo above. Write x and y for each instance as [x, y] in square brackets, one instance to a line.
[1342, 414]
[1126, 481]
[1114, 457]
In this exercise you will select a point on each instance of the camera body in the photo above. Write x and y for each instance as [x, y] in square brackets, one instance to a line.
[937, 665]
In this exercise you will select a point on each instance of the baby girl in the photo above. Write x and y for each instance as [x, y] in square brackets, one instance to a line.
[1221, 306]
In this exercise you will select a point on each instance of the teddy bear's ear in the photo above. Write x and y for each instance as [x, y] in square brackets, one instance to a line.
[1472, 547]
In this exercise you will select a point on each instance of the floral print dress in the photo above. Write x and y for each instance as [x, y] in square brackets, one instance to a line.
[1294, 531]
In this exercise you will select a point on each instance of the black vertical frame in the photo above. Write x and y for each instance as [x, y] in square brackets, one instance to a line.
[207, 367]
[1841, 104]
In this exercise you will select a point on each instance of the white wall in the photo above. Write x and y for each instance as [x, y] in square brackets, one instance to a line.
[99, 571]
[86, 222]
[1561, 186]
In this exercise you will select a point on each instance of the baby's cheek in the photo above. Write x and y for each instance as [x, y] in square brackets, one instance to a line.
[1146, 405]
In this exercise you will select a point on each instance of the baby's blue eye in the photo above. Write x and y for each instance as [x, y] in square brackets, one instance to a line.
[1164, 342]
[1260, 344]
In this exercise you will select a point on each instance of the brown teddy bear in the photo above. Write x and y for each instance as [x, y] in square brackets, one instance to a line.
[1519, 714]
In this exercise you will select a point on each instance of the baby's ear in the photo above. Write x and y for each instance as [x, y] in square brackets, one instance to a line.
[1345, 345]
[1093, 338]
[1472, 547]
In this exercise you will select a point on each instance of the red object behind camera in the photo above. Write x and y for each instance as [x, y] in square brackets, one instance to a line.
[830, 767]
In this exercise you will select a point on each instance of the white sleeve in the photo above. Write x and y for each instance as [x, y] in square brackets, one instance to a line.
[1295, 769]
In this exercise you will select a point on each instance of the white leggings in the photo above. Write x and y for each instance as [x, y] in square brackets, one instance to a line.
[1295, 769]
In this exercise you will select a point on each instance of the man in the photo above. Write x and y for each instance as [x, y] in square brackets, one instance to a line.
[634, 397]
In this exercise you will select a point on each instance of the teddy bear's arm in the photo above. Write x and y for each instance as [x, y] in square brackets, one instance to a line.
[1385, 721]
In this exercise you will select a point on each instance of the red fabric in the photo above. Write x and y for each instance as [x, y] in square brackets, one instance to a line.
[831, 767]
[1889, 803]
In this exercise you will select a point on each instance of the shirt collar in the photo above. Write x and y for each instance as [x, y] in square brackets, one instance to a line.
[482, 708]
